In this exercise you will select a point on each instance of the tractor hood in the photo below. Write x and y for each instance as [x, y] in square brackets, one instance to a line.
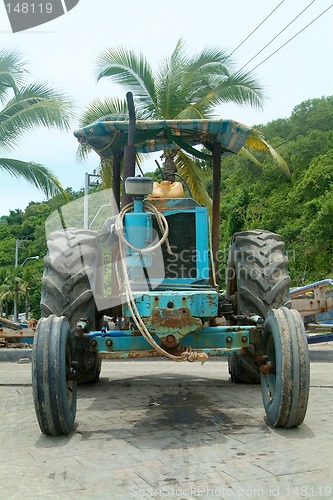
[108, 137]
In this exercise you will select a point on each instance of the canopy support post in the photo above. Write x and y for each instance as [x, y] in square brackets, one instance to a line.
[216, 207]
[116, 177]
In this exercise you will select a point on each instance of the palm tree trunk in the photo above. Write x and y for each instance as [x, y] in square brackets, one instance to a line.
[26, 304]
[169, 168]
[16, 302]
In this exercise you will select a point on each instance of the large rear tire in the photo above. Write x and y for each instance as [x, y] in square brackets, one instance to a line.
[54, 390]
[257, 280]
[285, 389]
[67, 290]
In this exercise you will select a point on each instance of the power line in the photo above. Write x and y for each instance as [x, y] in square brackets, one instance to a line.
[304, 130]
[262, 22]
[292, 38]
[284, 29]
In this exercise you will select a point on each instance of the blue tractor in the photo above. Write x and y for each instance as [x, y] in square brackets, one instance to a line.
[165, 298]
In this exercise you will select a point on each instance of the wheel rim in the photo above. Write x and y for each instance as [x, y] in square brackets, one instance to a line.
[271, 383]
[270, 379]
[69, 381]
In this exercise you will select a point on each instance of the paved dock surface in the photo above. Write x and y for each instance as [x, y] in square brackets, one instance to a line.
[158, 429]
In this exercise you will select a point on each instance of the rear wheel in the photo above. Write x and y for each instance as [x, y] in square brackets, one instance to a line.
[53, 386]
[285, 387]
[257, 281]
[67, 290]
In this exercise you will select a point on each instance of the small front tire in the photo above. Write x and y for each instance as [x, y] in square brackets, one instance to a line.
[54, 390]
[285, 388]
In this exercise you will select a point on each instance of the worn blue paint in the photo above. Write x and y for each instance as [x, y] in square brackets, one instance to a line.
[139, 233]
[138, 229]
[201, 303]
[203, 268]
[138, 205]
[320, 337]
[219, 340]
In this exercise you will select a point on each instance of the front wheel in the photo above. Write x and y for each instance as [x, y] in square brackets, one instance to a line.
[285, 386]
[53, 385]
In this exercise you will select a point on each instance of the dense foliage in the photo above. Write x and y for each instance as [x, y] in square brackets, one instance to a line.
[299, 206]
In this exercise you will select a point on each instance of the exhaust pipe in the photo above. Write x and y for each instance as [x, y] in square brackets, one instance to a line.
[130, 149]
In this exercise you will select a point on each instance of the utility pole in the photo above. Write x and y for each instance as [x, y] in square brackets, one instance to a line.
[35, 257]
[87, 184]
[85, 202]
[17, 244]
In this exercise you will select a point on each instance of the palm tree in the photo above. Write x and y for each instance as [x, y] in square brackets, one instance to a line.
[184, 87]
[11, 288]
[25, 107]
[5, 295]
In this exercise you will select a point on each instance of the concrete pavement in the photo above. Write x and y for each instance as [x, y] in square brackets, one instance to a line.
[158, 429]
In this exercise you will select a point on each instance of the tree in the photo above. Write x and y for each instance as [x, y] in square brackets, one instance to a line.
[184, 87]
[11, 288]
[26, 107]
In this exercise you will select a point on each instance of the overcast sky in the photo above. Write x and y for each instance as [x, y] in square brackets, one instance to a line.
[63, 52]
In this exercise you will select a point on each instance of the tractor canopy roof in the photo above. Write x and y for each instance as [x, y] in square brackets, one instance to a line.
[110, 137]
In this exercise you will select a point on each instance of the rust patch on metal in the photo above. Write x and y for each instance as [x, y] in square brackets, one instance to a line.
[169, 341]
[211, 300]
[267, 368]
[130, 354]
[178, 322]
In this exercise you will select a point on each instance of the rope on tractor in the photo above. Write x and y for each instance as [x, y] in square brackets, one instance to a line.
[188, 354]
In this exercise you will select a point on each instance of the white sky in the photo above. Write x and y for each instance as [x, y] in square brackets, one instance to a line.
[63, 52]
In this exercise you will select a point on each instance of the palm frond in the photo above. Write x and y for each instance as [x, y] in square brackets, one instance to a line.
[12, 72]
[256, 141]
[38, 175]
[7, 81]
[199, 109]
[239, 88]
[187, 168]
[245, 152]
[107, 109]
[34, 105]
[106, 172]
[169, 83]
[210, 58]
[131, 70]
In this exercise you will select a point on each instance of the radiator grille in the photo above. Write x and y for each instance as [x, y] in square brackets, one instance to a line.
[182, 239]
